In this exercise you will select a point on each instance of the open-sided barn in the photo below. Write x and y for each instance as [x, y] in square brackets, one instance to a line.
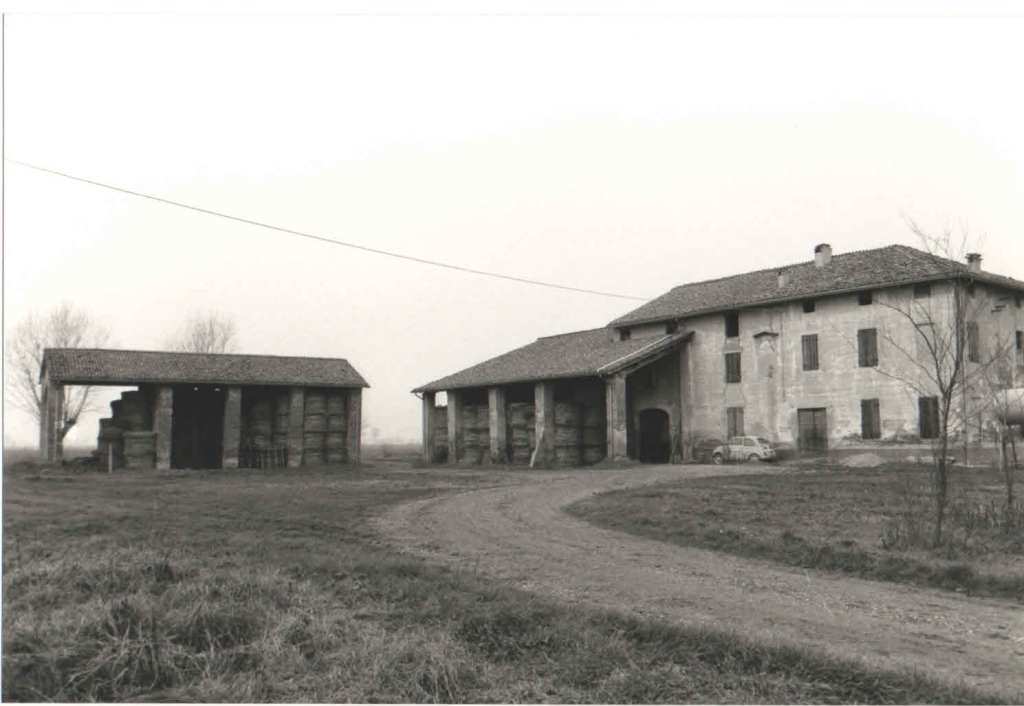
[203, 410]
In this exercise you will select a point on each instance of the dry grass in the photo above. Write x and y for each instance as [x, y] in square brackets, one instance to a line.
[855, 521]
[267, 586]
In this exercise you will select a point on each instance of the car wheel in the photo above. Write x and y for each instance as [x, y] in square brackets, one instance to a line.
[717, 459]
[753, 457]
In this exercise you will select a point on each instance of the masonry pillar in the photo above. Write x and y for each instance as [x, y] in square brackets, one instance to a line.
[498, 429]
[544, 424]
[296, 417]
[232, 426]
[353, 439]
[44, 422]
[54, 422]
[163, 407]
[429, 409]
[454, 426]
[615, 409]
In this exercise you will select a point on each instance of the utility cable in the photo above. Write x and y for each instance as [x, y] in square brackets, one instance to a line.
[324, 239]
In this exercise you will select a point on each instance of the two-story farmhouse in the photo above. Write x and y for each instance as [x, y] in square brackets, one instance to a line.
[838, 347]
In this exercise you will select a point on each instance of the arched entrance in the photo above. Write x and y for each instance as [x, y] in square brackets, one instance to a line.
[655, 440]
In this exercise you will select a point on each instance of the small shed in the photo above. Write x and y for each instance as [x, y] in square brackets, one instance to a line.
[205, 410]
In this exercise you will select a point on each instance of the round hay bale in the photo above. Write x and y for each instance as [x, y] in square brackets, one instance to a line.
[315, 422]
[472, 455]
[334, 440]
[483, 417]
[316, 402]
[566, 436]
[567, 456]
[593, 454]
[521, 456]
[336, 402]
[312, 457]
[593, 436]
[520, 413]
[335, 456]
[336, 422]
[313, 440]
[567, 414]
[260, 442]
[280, 440]
[470, 437]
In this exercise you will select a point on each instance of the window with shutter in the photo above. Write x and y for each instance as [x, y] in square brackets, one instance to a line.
[870, 420]
[867, 347]
[973, 349]
[810, 351]
[732, 367]
[734, 421]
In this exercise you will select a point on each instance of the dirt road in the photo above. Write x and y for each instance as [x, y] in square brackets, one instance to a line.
[517, 532]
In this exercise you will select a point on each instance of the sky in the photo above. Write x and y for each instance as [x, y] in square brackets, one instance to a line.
[608, 151]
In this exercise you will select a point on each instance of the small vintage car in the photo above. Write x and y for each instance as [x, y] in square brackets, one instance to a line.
[744, 448]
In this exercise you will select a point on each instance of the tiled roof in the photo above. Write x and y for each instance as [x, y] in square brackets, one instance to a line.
[577, 354]
[847, 272]
[119, 367]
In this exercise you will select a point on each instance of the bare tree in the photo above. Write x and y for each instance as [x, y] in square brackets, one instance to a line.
[63, 327]
[212, 332]
[944, 362]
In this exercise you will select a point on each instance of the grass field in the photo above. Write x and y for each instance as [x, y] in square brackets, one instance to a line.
[856, 521]
[268, 586]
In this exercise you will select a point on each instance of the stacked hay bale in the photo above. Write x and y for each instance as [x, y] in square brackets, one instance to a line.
[109, 443]
[440, 451]
[568, 434]
[475, 433]
[139, 449]
[521, 432]
[594, 433]
[282, 405]
[259, 423]
[337, 427]
[314, 428]
[130, 412]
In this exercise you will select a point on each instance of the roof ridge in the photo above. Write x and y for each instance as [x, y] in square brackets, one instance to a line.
[797, 264]
[219, 355]
[573, 333]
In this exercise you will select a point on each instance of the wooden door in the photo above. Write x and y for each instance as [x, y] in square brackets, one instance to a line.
[812, 427]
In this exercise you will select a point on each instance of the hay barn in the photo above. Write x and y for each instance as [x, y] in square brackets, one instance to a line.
[201, 410]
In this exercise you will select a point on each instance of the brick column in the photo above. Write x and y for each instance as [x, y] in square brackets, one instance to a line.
[429, 409]
[353, 437]
[615, 409]
[232, 426]
[497, 425]
[163, 407]
[544, 424]
[454, 426]
[54, 414]
[296, 417]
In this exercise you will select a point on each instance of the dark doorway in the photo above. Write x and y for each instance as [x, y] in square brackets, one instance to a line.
[812, 425]
[655, 442]
[197, 426]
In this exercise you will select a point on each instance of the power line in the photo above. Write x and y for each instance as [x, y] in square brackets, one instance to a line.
[324, 239]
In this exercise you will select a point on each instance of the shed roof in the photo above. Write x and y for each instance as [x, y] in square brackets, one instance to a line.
[568, 355]
[95, 366]
[847, 272]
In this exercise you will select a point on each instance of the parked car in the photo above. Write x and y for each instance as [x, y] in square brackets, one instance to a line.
[744, 448]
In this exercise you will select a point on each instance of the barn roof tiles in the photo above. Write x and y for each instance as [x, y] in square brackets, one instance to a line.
[847, 272]
[568, 355]
[124, 367]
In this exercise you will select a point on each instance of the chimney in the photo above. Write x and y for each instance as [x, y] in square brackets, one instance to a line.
[822, 255]
[783, 278]
[974, 261]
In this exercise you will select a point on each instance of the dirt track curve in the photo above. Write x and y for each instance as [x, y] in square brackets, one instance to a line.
[517, 532]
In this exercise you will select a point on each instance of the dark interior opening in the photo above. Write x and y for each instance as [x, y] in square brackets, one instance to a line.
[655, 441]
[197, 426]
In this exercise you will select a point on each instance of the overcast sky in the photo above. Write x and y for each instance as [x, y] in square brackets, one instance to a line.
[627, 154]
